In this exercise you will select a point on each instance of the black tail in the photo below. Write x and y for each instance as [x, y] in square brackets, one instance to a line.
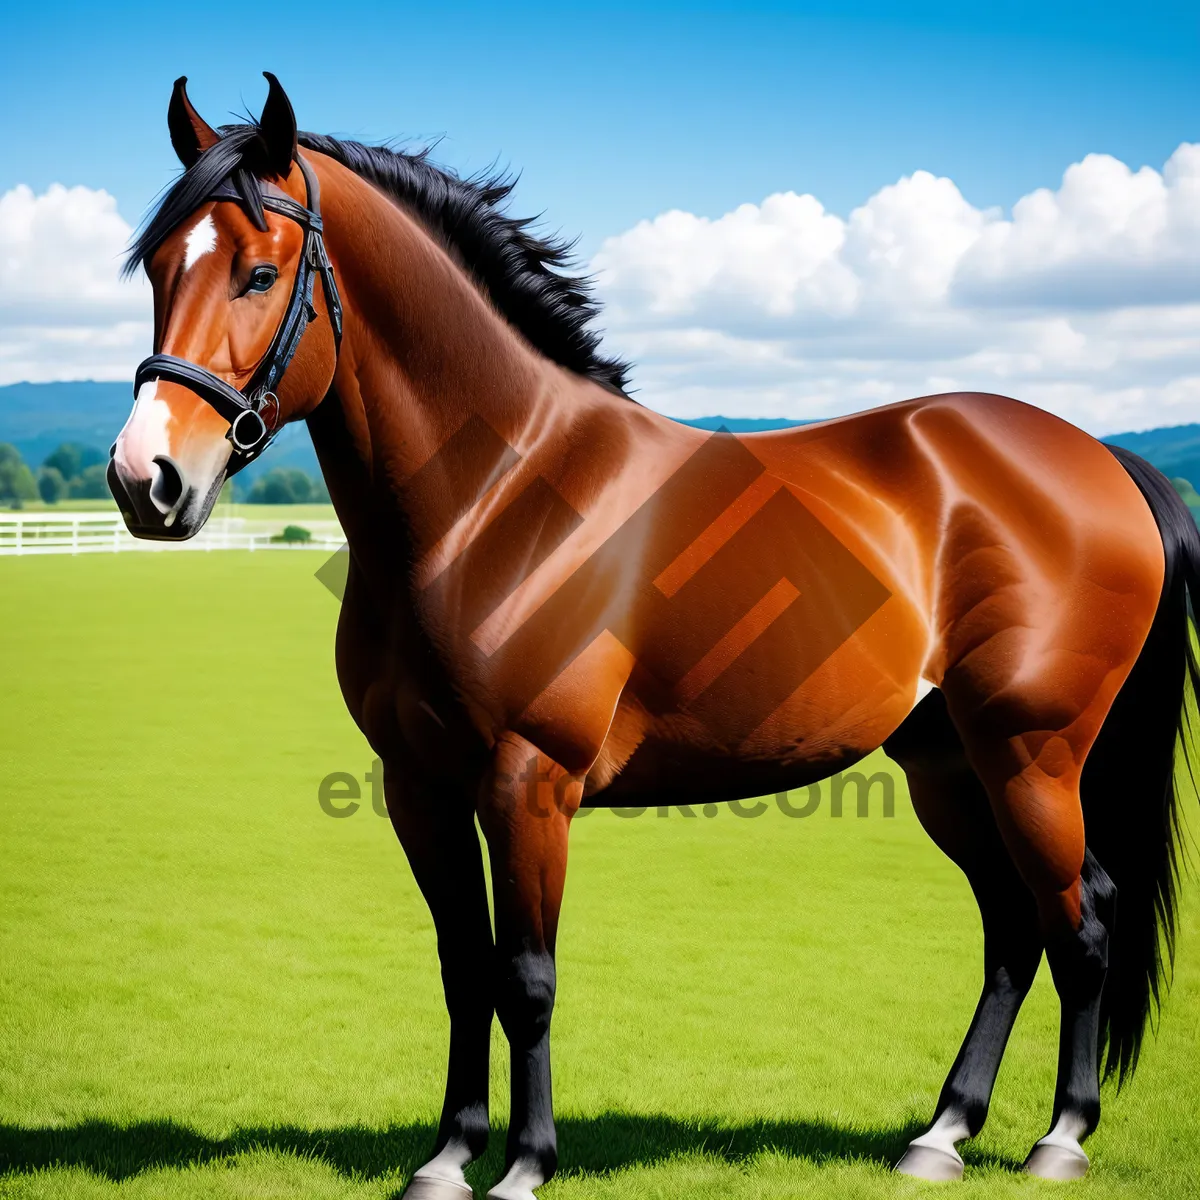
[1129, 790]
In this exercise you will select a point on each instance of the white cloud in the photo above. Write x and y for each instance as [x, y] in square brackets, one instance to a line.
[1085, 300]
[780, 259]
[65, 313]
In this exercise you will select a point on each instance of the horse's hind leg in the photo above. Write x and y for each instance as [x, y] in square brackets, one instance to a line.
[1078, 963]
[1029, 751]
[953, 807]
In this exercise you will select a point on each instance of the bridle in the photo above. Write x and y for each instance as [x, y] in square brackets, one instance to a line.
[253, 411]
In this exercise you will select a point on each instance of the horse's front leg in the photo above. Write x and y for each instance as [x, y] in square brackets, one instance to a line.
[525, 809]
[439, 836]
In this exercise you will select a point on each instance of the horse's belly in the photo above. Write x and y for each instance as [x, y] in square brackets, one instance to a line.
[664, 773]
[740, 739]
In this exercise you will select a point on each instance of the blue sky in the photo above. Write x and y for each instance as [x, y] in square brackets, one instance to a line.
[614, 113]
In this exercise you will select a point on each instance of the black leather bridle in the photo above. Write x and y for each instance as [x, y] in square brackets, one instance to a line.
[253, 411]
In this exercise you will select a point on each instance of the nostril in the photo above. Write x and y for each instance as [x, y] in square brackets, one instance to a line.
[167, 486]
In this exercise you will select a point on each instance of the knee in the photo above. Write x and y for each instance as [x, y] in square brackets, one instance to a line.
[1013, 976]
[468, 999]
[1011, 956]
[1099, 892]
[1012, 942]
[467, 984]
[525, 996]
[1098, 907]
[1079, 961]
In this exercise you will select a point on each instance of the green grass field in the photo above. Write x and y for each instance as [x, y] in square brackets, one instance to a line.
[209, 988]
[281, 514]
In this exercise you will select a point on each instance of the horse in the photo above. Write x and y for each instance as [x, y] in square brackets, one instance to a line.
[558, 598]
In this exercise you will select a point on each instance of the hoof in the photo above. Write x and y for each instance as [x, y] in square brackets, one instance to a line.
[924, 1162]
[518, 1184]
[423, 1187]
[1049, 1161]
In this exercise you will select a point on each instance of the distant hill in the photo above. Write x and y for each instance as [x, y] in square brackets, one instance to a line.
[1174, 449]
[743, 424]
[36, 417]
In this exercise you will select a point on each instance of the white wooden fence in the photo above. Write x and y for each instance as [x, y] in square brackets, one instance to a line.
[87, 533]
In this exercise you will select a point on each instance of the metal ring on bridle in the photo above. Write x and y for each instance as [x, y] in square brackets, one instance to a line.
[247, 431]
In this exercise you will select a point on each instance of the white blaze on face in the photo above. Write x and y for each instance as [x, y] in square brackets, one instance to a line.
[145, 434]
[201, 238]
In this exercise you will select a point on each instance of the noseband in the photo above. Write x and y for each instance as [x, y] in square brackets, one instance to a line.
[253, 411]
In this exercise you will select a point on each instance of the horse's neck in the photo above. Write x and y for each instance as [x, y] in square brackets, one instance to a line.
[433, 388]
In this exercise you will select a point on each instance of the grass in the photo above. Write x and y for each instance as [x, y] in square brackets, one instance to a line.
[208, 988]
[282, 514]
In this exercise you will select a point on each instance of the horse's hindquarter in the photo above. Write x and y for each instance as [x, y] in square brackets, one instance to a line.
[1048, 569]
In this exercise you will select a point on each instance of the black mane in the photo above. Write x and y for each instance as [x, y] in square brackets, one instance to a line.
[524, 275]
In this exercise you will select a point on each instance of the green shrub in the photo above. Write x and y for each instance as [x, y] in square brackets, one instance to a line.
[293, 533]
[1185, 489]
[16, 480]
[287, 485]
[51, 485]
[90, 484]
[71, 460]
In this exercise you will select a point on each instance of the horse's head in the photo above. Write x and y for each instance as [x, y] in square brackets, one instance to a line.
[237, 264]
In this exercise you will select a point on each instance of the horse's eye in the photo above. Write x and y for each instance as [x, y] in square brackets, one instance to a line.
[262, 279]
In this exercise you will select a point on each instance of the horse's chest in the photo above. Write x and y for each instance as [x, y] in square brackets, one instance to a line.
[401, 696]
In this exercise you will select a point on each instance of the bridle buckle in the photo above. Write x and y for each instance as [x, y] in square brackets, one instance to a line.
[247, 431]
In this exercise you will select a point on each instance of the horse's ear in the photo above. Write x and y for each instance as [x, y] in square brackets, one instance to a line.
[191, 134]
[278, 127]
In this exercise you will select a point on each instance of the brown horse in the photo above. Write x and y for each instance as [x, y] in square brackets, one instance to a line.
[559, 598]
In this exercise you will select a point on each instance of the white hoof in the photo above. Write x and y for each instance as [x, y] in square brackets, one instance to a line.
[1053, 1160]
[1059, 1155]
[424, 1187]
[932, 1155]
[518, 1184]
[926, 1162]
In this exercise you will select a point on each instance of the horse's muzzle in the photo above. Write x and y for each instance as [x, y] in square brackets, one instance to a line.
[162, 507]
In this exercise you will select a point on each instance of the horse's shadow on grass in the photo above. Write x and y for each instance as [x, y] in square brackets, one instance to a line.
[588, 1145]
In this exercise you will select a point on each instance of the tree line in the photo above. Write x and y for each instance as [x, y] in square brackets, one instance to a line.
[73, 471]
[69, 472]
